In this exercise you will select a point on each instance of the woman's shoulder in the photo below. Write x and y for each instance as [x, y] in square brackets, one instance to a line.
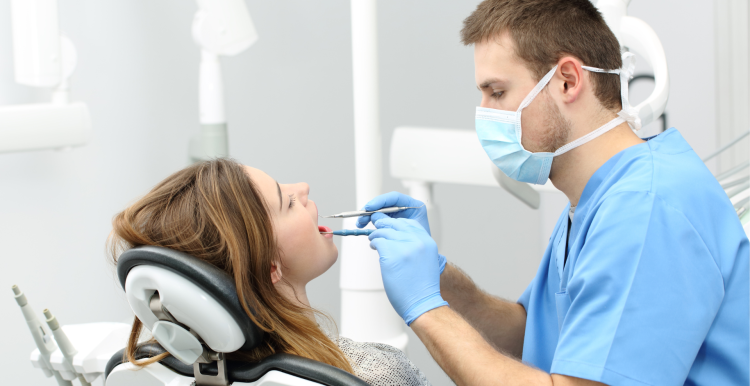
[381, 364]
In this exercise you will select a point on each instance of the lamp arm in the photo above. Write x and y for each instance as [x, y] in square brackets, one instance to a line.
[640, 38]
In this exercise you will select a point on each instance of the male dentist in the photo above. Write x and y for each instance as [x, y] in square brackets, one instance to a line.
[646, 278]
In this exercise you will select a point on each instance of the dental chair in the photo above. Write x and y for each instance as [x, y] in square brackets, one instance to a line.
[192, 309]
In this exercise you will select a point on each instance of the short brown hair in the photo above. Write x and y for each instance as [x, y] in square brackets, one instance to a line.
[544, 31]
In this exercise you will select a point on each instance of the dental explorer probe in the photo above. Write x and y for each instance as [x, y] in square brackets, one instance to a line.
[350, 232]
[41, 336]
[358, 213]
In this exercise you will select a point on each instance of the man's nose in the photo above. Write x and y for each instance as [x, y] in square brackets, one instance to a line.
[485, 102]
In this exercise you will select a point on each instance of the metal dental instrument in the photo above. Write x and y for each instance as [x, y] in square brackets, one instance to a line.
[350, 232]
[358, 213]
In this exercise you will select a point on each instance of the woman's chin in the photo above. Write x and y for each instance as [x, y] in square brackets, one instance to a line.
[334, 254]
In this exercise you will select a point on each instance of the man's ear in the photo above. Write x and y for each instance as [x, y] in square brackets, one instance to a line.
[570, 77]
[275, 273]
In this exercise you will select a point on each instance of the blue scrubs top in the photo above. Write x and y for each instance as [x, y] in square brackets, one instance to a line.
[656, 287]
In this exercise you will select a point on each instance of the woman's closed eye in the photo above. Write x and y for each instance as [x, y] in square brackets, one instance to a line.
[292, 199]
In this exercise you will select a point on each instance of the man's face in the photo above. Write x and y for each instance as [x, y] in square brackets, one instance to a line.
[505, 81]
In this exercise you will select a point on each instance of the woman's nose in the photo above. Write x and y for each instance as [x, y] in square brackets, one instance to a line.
[303, 190]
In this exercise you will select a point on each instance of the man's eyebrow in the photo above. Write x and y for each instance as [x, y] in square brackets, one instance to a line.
[488, 82]
[278, 188]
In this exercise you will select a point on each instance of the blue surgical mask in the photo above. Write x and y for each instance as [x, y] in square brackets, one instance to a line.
[499, 131]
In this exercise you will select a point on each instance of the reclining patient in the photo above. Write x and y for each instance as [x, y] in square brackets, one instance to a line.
[266, 236]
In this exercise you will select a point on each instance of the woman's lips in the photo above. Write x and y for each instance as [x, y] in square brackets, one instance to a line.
[323, 228]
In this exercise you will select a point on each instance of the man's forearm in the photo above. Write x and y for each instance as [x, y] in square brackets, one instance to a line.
[466, 357]
[470, 361]
[502, 323]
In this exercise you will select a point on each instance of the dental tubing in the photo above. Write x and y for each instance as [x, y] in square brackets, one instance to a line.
[41, 336]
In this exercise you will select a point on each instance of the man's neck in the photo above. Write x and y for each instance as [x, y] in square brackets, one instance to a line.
[571, 171]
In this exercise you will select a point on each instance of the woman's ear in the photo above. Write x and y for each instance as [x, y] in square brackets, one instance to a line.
[275, 273]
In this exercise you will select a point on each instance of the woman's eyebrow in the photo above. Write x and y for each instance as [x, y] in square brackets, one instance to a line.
[278, 188]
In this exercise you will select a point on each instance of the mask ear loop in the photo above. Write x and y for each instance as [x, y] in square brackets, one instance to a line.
[628, 112]
[527, 101]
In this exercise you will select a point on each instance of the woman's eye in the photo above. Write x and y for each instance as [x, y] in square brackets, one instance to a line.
[292, 199]
[497, 94]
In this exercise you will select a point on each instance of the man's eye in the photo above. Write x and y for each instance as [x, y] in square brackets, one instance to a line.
[497, 94]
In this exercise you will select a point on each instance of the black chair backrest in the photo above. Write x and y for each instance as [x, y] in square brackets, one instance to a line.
[208, 277]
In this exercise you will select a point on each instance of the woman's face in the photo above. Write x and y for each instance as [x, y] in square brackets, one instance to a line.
[305, 253]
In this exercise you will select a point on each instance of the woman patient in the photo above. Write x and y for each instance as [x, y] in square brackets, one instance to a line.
[266, 236]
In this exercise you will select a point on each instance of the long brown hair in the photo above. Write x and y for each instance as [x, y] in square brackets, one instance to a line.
[212, 210]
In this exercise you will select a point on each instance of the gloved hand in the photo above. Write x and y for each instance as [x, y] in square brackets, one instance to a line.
[395, 199]
[398, 199]
[410, 266]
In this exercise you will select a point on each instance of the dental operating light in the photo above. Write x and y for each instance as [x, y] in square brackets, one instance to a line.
[220, 27]
[44, 58]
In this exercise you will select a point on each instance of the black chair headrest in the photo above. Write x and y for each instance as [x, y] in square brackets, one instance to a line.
[208, 277]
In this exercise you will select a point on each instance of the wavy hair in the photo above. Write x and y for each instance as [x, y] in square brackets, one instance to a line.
[212, 210]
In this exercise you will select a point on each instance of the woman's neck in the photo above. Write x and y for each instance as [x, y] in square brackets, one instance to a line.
[297, 294]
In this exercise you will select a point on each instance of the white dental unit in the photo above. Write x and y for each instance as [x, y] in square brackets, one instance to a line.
[43, 58]
[189, 306]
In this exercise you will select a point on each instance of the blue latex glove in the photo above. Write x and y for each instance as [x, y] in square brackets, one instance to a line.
[395, 199]
[398, 199]
[410, 266]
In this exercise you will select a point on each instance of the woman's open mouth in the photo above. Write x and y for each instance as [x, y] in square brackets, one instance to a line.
[323, 228]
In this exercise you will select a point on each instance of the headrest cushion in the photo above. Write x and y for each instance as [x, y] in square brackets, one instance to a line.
[215, 282]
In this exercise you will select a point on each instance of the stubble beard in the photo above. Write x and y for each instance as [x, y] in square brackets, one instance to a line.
[556, 127]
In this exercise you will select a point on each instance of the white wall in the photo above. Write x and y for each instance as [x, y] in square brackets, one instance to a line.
[290, 114]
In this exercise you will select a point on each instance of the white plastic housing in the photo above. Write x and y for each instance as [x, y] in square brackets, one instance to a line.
[187, 302]
[211, 90]
[439, 155]
[640, 38]
[178, 341]
[44, 126]
[371, 311]
[453, 156]
[223, 27]
[36, 42]
[95, 343]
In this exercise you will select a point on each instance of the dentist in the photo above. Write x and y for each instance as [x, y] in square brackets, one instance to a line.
[646, 278]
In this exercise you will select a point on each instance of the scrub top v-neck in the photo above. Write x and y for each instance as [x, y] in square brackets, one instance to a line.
[655, 287]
